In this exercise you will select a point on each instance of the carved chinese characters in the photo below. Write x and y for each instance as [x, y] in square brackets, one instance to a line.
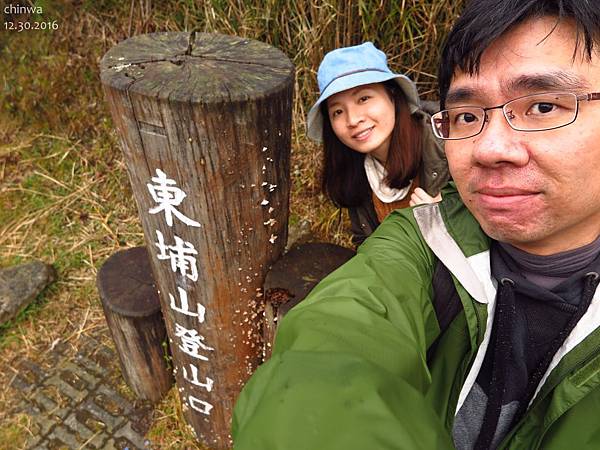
[182, 259]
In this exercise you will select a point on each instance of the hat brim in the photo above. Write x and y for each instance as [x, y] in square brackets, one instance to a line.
[314, 119]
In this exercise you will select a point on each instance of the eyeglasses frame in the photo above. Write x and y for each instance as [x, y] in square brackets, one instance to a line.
[591, 96]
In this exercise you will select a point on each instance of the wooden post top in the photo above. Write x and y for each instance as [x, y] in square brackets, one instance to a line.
[196, 67]
[126, 284]
[299, 270]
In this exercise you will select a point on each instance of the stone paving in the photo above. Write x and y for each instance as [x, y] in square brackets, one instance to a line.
[73, 404]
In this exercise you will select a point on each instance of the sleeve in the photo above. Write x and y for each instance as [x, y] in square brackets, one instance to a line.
[349, 368]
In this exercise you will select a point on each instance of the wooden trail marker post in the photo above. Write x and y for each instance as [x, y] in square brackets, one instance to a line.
[205, 126]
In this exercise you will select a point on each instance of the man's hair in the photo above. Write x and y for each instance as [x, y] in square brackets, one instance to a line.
[484, 21]
[344, 179]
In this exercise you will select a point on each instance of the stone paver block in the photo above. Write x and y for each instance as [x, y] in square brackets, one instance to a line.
[119, 444]
[34, 442]
[90, 421]
[40, 446]
[75, 395]
[53, 357]
[61, 435]
[136, 439]
[34, 373]
[103, 356]
[48, 406]
[22, 385]
[88, 438]
[44, 423]
[56, 444]
[73, 379]
[28, 408]
[89, 378]
[77, 426]
[63, 401]
[91, 366]
[112, 401]
[109, 420]
[141, 418]
[98, 442]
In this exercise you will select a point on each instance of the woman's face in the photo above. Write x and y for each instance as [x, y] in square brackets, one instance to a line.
[363, 118]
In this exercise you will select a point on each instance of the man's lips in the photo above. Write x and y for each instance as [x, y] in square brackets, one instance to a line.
[363, 134]
[499, 197]
[504, 191]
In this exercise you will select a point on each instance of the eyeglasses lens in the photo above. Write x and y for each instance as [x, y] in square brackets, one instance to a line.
[541, 111]
[531, 113]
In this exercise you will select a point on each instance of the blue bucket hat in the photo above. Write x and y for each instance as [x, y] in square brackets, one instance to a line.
[348, 67]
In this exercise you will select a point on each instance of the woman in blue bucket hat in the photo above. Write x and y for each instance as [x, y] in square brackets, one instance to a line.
[379, 151]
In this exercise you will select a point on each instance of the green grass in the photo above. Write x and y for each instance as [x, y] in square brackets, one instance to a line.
[13, 433]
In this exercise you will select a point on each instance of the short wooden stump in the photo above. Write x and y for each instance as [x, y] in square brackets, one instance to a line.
[293, 276]
[132, 309]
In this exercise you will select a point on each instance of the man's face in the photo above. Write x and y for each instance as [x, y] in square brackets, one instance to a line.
[539, 191]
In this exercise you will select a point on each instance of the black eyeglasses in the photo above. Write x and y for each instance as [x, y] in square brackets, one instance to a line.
[536, 112]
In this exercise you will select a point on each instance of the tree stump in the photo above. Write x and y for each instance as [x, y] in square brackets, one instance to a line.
[205, 127]
[132, 309]
[293, 276]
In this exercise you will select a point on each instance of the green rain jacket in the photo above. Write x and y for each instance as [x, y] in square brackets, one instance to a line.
[350, 369]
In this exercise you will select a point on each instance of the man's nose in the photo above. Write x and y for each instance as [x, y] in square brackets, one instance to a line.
[498, 143]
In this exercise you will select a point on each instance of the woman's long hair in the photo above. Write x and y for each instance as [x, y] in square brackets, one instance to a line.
[344, 179]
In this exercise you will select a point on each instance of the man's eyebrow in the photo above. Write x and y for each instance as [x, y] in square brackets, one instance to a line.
[558, 80]
[460, 95]
[550, 81]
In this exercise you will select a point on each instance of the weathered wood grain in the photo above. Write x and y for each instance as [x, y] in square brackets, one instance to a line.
[132, 309]
[214, 114]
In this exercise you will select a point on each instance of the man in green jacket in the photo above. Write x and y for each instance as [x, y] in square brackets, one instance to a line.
[371, 361]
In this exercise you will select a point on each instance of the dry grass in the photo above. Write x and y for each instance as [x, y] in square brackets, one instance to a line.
[64, 195]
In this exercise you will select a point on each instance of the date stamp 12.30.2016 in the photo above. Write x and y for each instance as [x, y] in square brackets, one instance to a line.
[18, 18]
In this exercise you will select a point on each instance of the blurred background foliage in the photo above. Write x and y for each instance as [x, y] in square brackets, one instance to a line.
[64, 192]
